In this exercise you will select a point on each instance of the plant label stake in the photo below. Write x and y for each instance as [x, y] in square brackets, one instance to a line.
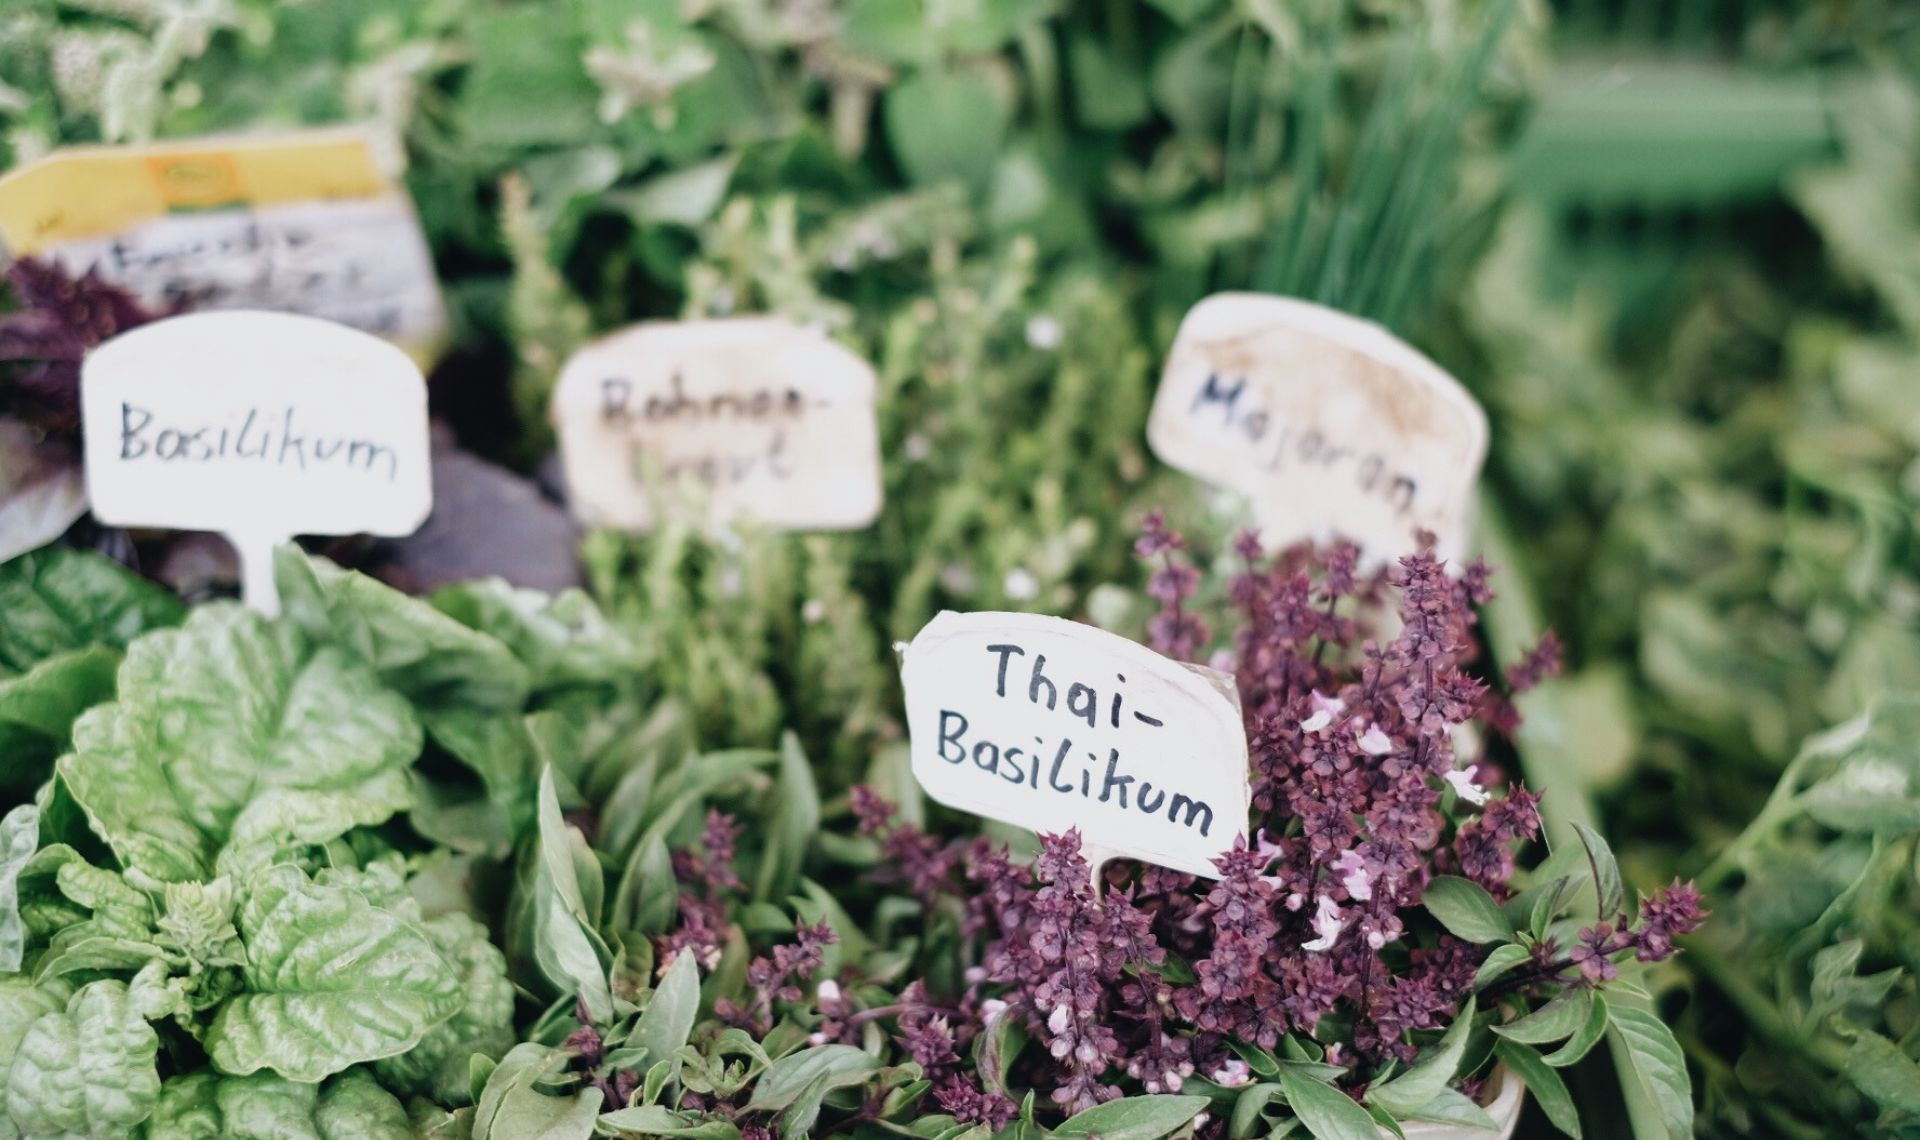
[259, 426]
[311, 222]
[752, 416]
[1049, 724]
[1330, 425]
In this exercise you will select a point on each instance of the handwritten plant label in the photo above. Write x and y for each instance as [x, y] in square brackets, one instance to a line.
[1050, 724]
[260, 426]
[1329, 424]
[754, 415]
[304, 222]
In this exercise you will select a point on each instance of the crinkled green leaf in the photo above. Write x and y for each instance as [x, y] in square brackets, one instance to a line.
[19, 838]
[331, 981]
[38, 708]
[219, 713]
[1134, 1118]
[414, 648]
[209, 1106]
[438, 1067]
[88, 1070]
[58, 599]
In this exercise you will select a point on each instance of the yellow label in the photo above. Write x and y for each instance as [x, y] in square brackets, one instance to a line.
[86, 192]
[301, 222]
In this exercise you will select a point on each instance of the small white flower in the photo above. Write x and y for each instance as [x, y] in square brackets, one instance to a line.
[1200, 1121]
[1352, 870]
[1296, 900]
[1464, 787]
[813, 611]
[1059, 1019]
[992, 1008]
[917, 447]
[1374, 742]
[829, 991]
[817, 1039]
[1044, 333]
[1021, 585]
[1268, 849]
[1324, 710]
[1327, 924]
[1376, 939]
[1174, 1080]
[1232, 1075]
[974, 975]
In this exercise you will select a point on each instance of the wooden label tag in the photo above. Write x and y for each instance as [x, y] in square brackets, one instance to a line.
[1330, 425]
[260, 426]
[1049, 724]
[300, 222]
[752, 416]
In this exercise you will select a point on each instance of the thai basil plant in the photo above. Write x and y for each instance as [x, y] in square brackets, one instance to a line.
[453, 867]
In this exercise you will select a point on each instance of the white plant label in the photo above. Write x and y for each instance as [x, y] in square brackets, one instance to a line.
[1330, 425]
[310, 221]
[752, 416]
[260, 426]
[1049, 724]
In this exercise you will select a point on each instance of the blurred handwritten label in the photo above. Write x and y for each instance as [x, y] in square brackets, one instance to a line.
[260, 426]
[752, 416]
[1330, 425]
[306, 222]
[1049, 724]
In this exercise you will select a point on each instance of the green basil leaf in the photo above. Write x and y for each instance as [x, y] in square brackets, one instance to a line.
[1584, 1039]
[19, 839]
[1134, 1118]
[1544, 1082]
[38, 708]
[1451, 1106]
[946, 126]
[222, 711]
[1658, 1064]
[1249, 1109]
[796, 802]
[331, 981]
[1432, 1072]
[668, 1019]
[414, 648]
[1466, 909]
[261, 1106]
[1501, 959]
[566, 939]
[1611, 893]
[787, 1079]
[1327, 1112]
[1559, 1018]
[86, 1070]
[59, 599]
[652, 1120]
[441, 1065]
